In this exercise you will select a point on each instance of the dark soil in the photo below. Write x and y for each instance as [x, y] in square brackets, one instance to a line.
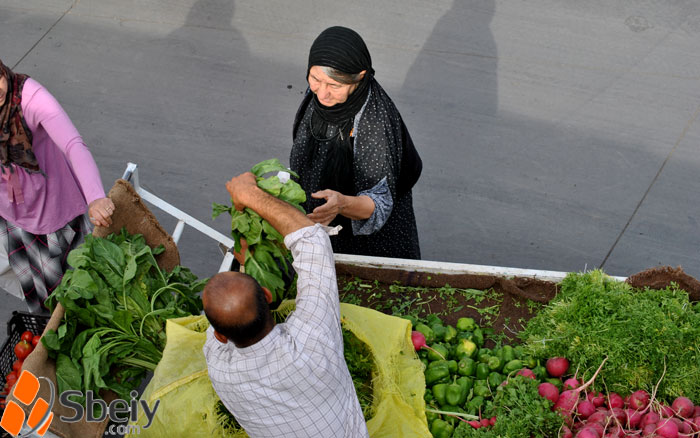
[661, 277]
[503, 304]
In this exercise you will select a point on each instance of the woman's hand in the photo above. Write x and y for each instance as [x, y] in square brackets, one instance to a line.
[335, 203]
[100, 212]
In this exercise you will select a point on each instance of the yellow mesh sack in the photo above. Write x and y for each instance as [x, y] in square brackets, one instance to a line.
[188, 402]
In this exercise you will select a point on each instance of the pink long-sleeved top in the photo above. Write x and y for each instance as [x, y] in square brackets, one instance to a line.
[72, 180]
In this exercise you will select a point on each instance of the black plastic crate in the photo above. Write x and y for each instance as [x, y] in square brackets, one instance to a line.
[18, 324]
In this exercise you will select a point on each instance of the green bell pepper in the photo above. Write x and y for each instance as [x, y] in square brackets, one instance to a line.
[452, 366]
[465, 348]
[494, 363]
[456, 393]
[437, 351]
[508, 353]
[466, 324]
[481, 391]
[433, 319]
[441, 429]
[482, 371]
[428, 396]
[450, 333]
[513, 365]
[466, 367]
[440, 393]
[439, 331]
[433, 374]
[478, 337]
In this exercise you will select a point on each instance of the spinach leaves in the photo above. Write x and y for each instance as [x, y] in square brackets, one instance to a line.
[116, 300]
[267, 259]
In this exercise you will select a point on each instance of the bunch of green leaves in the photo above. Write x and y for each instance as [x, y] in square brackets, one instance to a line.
[116, 301]
[520, 413]
[267, 260]
[642, 332]
[361, 365]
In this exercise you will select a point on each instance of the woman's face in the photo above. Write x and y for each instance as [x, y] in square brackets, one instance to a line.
[328, 91]
[3, 90]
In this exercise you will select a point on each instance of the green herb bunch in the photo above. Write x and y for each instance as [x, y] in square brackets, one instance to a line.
[116, 301]
[267, 259]
[520, 411]
[643, 332]
[359, 360]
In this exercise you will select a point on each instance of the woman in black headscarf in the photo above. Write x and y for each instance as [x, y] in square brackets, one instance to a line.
[353, 153]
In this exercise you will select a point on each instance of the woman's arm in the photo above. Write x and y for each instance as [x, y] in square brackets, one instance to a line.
[43, 110]
[352, 207]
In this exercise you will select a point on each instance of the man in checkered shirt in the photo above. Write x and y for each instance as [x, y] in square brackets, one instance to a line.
[289, 379]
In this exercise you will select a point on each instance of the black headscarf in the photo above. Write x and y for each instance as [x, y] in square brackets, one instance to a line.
[344, 50]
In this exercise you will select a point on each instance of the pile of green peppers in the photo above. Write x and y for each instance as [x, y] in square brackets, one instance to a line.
[461, 375]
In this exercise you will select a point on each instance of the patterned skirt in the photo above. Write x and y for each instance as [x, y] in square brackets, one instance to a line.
[40, 260]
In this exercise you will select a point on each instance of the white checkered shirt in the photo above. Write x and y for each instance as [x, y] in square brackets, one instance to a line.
[294, 382]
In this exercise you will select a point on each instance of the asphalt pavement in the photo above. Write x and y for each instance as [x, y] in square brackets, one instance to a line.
[558, 135]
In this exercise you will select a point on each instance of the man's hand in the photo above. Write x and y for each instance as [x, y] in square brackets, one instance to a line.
[239, 187]
[324, 214]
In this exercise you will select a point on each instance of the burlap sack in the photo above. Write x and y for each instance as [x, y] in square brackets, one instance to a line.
[130, 212]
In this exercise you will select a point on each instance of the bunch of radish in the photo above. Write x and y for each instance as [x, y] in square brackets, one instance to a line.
[590, 414]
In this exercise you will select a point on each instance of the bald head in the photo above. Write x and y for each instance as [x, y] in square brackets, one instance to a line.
[237, 308]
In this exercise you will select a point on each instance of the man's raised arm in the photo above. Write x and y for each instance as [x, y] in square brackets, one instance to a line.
[283, 216]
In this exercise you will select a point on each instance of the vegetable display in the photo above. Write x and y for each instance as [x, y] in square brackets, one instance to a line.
[267, 259]
[116, 301]
[649, 336]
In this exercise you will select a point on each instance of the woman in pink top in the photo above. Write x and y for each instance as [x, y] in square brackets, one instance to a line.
[49, 180]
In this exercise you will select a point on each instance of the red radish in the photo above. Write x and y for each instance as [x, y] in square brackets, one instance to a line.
[557, 366]
[568, 399]
[485, 422]
[419, 342]
[492, 420]
[615, 401]
[599, 428]
[619, 414]
[565, 433]
[649, 430]
[571, 383]
[686, 427]
[587, 432]
[667, 428]
[633, 418]
[615, 431]
[600, 416]
[649, 418]
[526, 372]
[597, 399]
[696, 411]
[665, 411]
[695, 422]
[683, 407]
[548, 391]
[475, 424]
[585, 409]
[639, 400]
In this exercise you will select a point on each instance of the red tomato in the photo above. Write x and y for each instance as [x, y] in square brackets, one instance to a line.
[27, 336]
[11, 378]
[22, 349]
[35, 340]
[17, 365]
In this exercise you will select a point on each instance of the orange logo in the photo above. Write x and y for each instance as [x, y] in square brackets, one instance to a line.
[25, 391]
